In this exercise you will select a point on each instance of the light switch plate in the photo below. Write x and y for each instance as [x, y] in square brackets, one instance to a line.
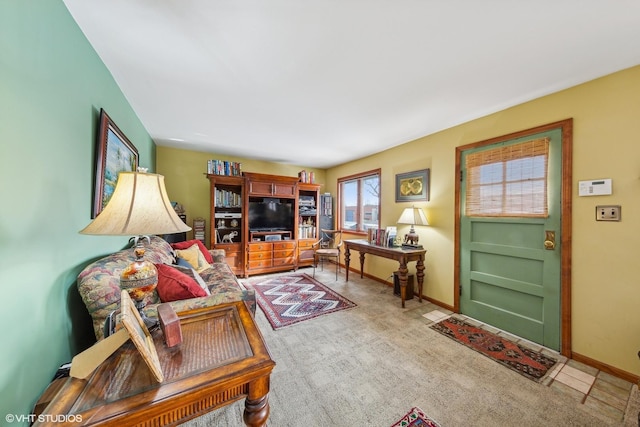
[608, 213]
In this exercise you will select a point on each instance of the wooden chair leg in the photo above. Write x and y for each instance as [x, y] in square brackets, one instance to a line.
[315, 261]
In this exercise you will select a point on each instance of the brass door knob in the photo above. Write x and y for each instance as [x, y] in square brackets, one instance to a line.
[550, 240]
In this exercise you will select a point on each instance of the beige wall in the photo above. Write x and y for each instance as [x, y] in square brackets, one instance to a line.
[605, 288]
[606, 144]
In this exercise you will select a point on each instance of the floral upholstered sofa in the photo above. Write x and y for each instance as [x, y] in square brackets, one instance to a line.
[99, 282]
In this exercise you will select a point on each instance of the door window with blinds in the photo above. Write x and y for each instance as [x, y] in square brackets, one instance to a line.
[508, 181]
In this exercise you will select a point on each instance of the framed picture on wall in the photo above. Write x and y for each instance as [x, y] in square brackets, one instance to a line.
[412, 186]
[114, 154]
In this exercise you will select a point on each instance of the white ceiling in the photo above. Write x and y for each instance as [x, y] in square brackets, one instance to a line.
[321, 82]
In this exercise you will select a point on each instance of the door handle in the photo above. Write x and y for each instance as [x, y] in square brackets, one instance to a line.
[550, 240]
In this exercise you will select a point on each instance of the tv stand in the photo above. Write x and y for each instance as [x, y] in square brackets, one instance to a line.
[273, 249]
[270, 236]
[264, 242]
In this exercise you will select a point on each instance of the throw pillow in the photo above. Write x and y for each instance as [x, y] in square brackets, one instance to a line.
[194, 257]
[190, 255]
[202, 263]
[174, 285]
[194, 275]
[201, 246]
[183, 263]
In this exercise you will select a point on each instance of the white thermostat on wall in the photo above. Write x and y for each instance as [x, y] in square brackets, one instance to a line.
[597, 187]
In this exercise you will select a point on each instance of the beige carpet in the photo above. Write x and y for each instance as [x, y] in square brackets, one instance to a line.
[369, 365]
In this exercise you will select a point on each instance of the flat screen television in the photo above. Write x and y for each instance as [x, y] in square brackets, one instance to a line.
[270, 215]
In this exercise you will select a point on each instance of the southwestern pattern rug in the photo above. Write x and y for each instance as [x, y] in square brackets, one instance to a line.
[293, 298]
[532, 364]
[416, 418]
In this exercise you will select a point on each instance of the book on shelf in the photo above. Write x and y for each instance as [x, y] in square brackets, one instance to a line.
[199, 229]
[306, 232]
[227, 199]
[307, 177]
[224, 167]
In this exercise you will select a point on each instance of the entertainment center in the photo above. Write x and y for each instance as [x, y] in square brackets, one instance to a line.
[264, 223]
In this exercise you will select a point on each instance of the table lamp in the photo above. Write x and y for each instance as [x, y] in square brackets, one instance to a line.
[140, 207]
[412, 216]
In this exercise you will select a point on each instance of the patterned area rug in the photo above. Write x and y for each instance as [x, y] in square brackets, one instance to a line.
[532, 364]
[290, 299]
[416, 418]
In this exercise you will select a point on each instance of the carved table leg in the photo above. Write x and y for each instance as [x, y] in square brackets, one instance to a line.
[420, 273]
[361, 265]
[347, 258]
[402, 276]
[256, 405]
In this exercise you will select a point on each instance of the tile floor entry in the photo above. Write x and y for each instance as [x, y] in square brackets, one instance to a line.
[590, 386]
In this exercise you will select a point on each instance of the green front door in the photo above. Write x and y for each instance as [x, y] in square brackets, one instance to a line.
[510, 261]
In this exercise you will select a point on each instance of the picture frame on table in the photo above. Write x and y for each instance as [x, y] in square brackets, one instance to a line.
[412, 186]
[140, 335]
[114, 154]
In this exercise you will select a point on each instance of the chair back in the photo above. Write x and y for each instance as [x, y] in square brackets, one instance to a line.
[330, 239]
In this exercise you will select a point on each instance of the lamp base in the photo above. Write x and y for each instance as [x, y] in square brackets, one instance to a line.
[410, 246]
[411, 239]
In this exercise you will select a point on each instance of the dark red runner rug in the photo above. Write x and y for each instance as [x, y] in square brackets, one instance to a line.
[293, 298]
[532, 364]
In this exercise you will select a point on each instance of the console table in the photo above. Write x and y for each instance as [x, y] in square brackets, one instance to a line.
[222, 359]
[402, 255]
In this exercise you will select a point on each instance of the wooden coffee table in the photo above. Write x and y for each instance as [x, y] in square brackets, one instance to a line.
[222, 359]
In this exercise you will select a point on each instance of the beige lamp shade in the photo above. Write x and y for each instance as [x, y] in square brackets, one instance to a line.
[413, 216]
[139, 206]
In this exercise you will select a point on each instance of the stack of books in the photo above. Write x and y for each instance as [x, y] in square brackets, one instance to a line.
[227, 199]
[382, 237]
[307, 177]
[307, 205]
[199, 229]
[224, 167]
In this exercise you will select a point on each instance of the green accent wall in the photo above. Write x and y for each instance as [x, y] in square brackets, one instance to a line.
[52, 86]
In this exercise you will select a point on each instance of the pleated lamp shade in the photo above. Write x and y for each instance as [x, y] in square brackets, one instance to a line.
[413, 216]
[139, 206]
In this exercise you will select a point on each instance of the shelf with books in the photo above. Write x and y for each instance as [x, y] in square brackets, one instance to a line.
[227, 230]
[224, 167]
[307, 177]
[199, 225]
[308, 209]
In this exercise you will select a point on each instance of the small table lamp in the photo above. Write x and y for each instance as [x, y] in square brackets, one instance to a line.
[412, 216]
[140, 207]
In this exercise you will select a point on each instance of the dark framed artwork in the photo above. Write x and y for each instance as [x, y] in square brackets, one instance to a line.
[412, 186]
[114, 154]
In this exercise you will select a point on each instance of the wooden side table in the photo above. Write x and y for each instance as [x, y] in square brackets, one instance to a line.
[403, 256]
[222, 359]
